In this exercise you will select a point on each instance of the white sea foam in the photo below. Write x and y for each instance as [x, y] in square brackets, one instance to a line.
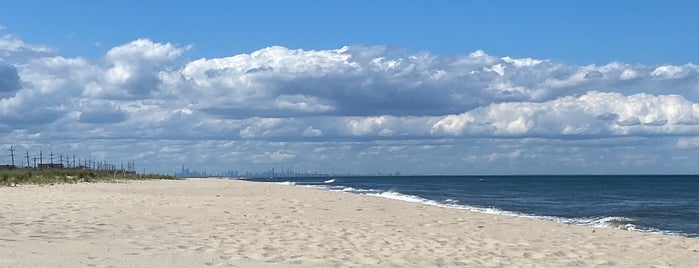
[329, 181]
[601, 222]
[613, 222]
[417, 199]
[598, 222]
[287, 183]
[355, 190]
[404, 197]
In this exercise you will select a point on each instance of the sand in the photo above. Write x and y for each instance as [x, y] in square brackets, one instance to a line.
[212, 223]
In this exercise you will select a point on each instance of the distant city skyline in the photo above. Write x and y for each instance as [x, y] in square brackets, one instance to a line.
[273, 173]
[440, 87]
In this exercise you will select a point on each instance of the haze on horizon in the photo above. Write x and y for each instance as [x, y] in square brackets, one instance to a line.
[492, 87]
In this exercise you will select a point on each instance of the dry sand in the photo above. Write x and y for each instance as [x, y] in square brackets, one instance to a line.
[206, 222]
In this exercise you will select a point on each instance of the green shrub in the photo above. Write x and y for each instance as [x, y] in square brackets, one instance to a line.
[51, 176]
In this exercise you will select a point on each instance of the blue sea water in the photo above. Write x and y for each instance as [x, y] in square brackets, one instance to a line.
[649, 203]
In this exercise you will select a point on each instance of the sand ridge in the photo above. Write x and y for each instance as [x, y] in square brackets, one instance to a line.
[230, 223]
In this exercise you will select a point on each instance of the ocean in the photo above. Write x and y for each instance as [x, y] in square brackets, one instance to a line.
[647, 203]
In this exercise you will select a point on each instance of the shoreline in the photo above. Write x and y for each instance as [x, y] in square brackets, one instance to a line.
[220, 222]
[597, 215]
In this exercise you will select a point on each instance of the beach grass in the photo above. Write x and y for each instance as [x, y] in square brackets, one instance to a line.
[13, 177]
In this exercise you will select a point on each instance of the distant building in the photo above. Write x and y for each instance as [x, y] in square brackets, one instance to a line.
[7, 167]
[48, 166]
[186, 173]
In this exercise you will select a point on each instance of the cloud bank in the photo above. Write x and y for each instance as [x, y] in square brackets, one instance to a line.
[350, 99]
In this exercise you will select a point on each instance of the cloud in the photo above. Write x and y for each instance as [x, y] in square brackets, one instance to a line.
[607, 116]
[271, 157]
[593, 75]
[352, 92]
[50, 89]
[301, 103]
[9, 79]
[101, 113]
[587, 115]
[135, 69]
[631, 121]
[657, 123]
[31, 109]
[283, 105]
[358, 92]
[672, 72]
[13, 49]
[686, 143]
[312, 132]
[375, 81]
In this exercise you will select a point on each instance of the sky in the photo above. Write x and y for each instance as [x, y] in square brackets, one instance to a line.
[362, 87]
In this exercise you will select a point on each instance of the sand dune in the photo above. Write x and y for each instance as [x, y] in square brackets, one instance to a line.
[206, 222]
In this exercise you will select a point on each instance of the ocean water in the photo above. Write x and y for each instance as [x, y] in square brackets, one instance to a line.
[648, 203]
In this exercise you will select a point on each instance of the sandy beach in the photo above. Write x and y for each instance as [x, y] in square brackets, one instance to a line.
[209, 222]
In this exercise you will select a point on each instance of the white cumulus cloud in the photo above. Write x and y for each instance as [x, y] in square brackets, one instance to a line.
[278, 104]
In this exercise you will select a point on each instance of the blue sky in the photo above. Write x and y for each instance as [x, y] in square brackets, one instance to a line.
[437, 87]
[580, 32]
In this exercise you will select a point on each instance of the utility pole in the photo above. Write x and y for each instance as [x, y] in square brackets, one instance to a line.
[60, 159]
[73, 160]
[51, 157]
[41, 159]
[28, 158]
[12, 153]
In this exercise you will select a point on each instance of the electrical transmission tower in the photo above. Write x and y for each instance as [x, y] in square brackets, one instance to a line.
[12, 153]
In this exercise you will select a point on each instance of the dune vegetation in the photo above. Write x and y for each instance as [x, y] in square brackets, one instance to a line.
[13, 177]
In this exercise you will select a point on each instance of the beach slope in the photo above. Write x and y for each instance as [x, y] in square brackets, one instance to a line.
[209, 222]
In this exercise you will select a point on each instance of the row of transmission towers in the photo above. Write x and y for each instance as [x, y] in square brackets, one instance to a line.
[66, 161]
